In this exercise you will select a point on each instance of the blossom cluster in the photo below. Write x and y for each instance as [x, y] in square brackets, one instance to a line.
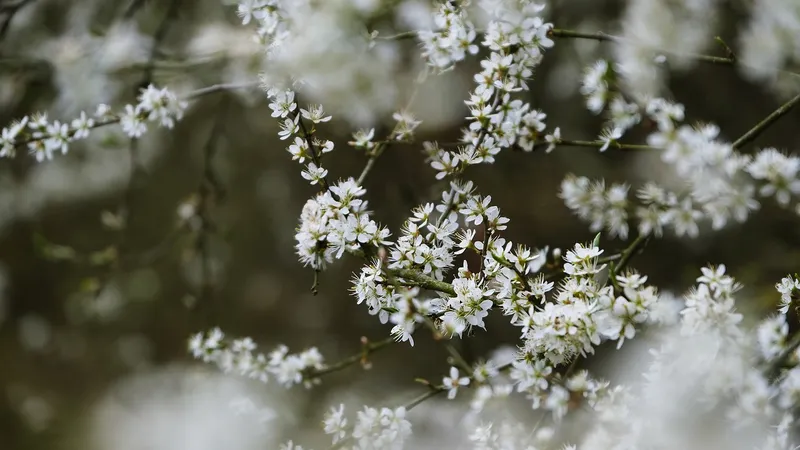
[323, 45]
[336, 221]
[305, 146]
[516, 38]
[43, 137]
[239, 356]
[383, 428]
[719, 183]
[451, 40]
[736, 380]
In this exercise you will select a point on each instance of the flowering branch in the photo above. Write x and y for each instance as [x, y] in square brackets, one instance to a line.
[159, 104]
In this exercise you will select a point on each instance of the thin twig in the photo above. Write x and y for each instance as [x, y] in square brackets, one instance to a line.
[316, 154]
[10, 11]
[438, 389]
[635, 246]
[603, 37]
[767, 122]
[597, 144]
[367, 349]
[158, 38]
[219, 88]
[210, 189]
[729, 60]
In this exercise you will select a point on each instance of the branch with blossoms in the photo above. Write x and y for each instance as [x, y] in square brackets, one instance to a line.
[585, 311]
[564, 306]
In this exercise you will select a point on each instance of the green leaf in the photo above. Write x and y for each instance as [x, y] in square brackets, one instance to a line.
[596, 241]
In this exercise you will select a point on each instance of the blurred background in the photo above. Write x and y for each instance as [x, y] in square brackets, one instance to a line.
[111, 256]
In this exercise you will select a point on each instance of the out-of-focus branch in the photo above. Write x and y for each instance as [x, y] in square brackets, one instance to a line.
[209, 191]
[597, 144]
[9, 11]
[729, 60]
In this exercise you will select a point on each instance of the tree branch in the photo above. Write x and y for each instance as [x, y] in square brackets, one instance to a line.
[767, 122]
[367, 349]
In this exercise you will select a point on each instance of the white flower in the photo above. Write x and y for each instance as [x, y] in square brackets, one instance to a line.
[315, 114]
[289, 127]
[609, 136]
[81, 126]
[314, 174]
[335, 424]
[363, 139]
[132, 124]
[453, 382]
[553, 139]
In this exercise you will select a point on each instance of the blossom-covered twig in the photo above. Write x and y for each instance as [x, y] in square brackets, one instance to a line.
[44, 137]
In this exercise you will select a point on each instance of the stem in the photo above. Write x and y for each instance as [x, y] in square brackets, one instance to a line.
[628, 253]
[424, 281]
[730, 60]
[598, 144]
[603, 37]
[219, 88]
[315, 154]
[455, 359]
[370, 164]
[398, 37]
[435, 390]
[767, 122]
[368, 348]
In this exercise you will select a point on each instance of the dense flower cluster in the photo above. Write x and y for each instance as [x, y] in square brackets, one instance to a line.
[336, 221]
[452, 39]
